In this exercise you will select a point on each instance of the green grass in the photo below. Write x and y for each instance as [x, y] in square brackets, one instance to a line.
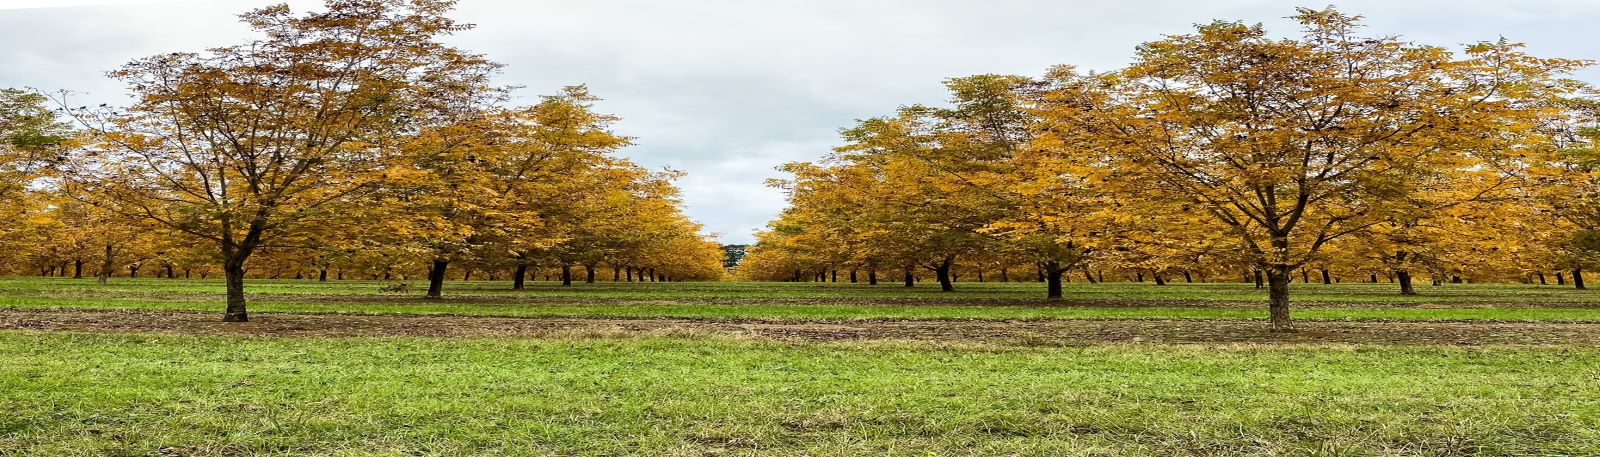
[823, 301]
[80, 394]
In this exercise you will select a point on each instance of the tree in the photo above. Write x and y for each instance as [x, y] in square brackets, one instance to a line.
[243, 144]
[1292, 143]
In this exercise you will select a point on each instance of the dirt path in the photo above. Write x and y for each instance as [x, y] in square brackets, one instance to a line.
[1050, 332]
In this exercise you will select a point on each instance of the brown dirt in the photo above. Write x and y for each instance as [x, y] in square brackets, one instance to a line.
[1444, 302]
[1041, 332]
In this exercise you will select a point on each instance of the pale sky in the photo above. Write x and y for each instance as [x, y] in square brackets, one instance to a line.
[726, 90]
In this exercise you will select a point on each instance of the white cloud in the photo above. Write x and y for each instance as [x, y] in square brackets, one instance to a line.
[21, 4]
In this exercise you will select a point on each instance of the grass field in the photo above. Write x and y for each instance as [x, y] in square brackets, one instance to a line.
[141, 367]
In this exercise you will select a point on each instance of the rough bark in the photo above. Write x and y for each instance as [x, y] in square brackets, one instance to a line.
[233, 272]
[1052, 275]
[1404, 276]
[942, 271]
[1278, 278]
[436, 278]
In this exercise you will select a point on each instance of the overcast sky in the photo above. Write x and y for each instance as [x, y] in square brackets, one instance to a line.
[726, 90]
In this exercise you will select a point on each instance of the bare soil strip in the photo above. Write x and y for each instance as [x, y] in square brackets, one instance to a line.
[1041, 332]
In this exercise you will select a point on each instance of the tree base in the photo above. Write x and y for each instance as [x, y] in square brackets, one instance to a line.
[236, 317]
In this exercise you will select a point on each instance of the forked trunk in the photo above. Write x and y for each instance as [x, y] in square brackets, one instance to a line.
[436, 278]
[943, 273]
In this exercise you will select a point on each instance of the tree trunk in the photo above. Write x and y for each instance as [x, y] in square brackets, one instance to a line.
[322, 276]
[943, 273]
[1188, 278]
[1052, 276]
[911, 281]
[436, 277]
[1005, 275]
[980, 275]
[853, 276]
[1577, 277]
[519, 277]
[1405, 282]
[1561, 279]
[1326, 278]
[835, 274]
[872, 275]
[1305, 276]
[1159, 280]
[566, 275]
[1258, 279]
[616, 274]
[1373, 277]
[1139, 275]
[105, 268]
[588, 274]
[77, 268]
[1088, 276]
[233, 271]
[1541, 278]
[1278, 279]
[627, 273]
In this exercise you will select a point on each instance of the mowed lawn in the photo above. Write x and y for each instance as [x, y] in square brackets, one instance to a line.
[821, 300]
[122, 393]
[82, 394]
